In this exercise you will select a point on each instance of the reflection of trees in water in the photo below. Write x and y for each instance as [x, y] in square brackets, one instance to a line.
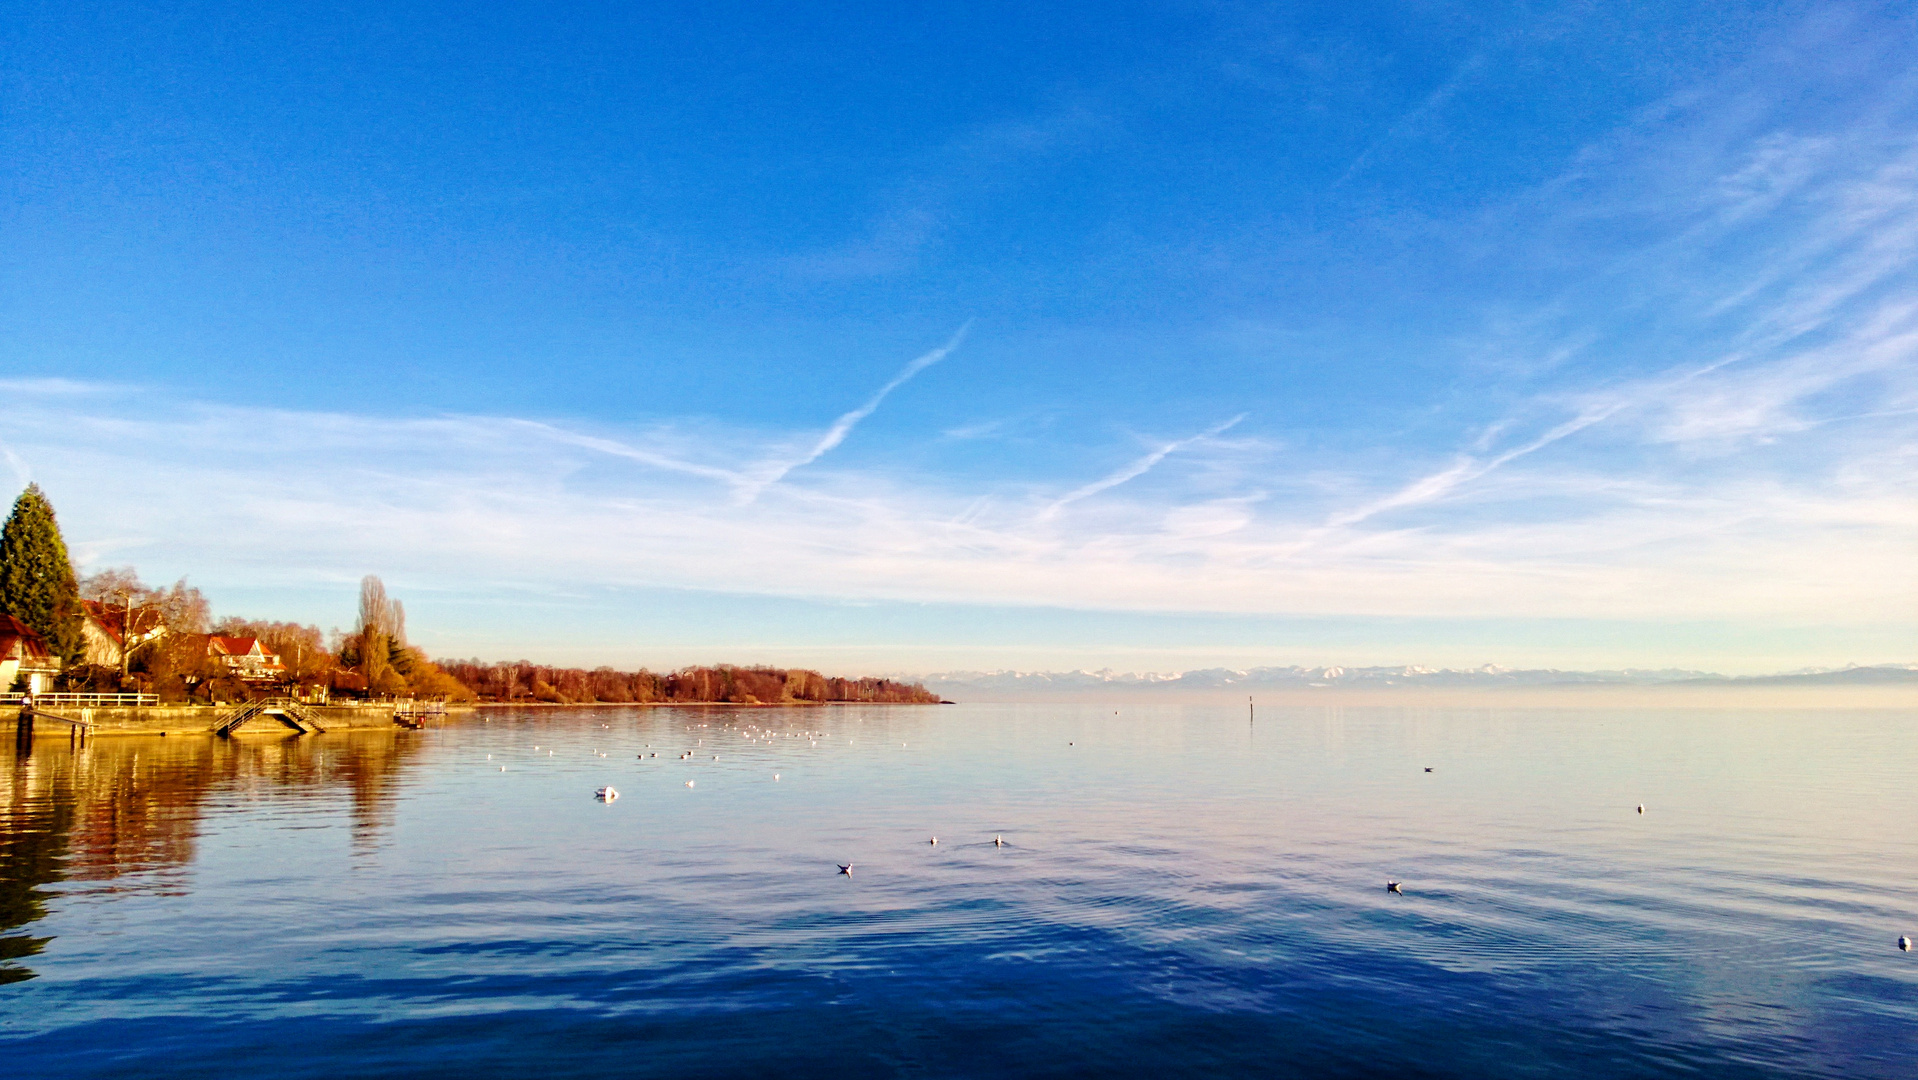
[33, 840]
[126, 812]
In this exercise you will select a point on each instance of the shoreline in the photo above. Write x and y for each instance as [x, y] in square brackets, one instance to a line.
[686, 704]
[177, 720]
[1570, 697]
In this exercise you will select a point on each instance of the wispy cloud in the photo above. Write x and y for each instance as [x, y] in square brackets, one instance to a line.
[1135, 469]
[770, 473]
[56, 387]
[1415, 118]
[618, 449]
[21, 474]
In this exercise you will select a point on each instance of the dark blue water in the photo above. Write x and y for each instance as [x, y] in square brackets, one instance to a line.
[1180, 893]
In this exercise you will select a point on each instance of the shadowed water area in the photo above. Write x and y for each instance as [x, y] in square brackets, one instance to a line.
[1181, 891]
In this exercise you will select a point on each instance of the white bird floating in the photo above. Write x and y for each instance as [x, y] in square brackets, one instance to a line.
[998, 841]
[606, 794]
[935, 841]
[775, 776]
[1393, 886]
[689, 783]
[1904, 943]
[845, 868]
[1641, 808]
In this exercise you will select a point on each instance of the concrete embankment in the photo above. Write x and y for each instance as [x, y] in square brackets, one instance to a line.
[201, 719]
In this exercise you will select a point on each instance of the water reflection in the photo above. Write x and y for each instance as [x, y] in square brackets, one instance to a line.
[124, 814]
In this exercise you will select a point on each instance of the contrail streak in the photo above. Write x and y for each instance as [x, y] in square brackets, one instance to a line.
[1134, 470]
[631, 453]
[842, 427]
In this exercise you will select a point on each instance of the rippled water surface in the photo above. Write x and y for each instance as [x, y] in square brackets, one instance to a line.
[1181, 891]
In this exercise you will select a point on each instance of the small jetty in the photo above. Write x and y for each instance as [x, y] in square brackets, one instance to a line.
[76, 711]
[409, 713]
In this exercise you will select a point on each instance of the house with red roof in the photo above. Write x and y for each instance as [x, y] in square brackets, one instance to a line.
[245, 658]
[106, 633]
[24, 658]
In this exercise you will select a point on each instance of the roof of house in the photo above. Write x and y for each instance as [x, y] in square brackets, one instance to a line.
[110, 619]
[244, 648]
[235, 646]
[18, 642]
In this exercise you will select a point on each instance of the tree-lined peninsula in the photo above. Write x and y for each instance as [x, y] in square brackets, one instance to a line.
[110, 632]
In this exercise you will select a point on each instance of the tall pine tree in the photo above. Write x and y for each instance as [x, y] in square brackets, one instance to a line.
[37, 585]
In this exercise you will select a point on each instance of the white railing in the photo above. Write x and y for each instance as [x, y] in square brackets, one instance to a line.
[101, 701]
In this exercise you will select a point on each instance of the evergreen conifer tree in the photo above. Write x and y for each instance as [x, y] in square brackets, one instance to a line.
[37, 585]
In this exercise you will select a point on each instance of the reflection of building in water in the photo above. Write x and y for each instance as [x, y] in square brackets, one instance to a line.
[126, 812]
[24, 659]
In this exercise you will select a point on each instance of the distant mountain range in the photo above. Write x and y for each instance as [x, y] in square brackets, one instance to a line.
[1000, 684]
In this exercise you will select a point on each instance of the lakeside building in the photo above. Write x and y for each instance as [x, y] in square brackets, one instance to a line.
[245, 658]
[24, 658]
[106, 631]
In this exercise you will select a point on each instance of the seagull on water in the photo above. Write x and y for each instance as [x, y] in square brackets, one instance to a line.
[1904, 943]
[1393, 886]
[606, 794]
[998, 841]
[1428, 768]
[845, 868]
[1641, 808]
[935, 841]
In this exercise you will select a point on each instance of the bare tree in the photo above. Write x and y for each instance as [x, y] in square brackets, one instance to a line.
[376, 611]
[376, 614]
[113, 584]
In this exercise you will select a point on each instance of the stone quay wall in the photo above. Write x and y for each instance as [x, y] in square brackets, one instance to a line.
[200, 719]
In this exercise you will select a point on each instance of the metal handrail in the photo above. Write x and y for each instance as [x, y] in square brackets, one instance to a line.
[82, 724]
[247, 711]
[90, 700]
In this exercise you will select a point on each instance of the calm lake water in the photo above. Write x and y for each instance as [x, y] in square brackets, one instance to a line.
[1181, 892]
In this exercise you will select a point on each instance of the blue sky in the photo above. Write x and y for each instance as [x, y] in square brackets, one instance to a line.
[1149, 336]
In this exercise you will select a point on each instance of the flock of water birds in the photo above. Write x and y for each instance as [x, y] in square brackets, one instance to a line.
[755, 734]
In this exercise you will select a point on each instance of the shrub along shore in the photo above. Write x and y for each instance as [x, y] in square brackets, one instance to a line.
[523, 683]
